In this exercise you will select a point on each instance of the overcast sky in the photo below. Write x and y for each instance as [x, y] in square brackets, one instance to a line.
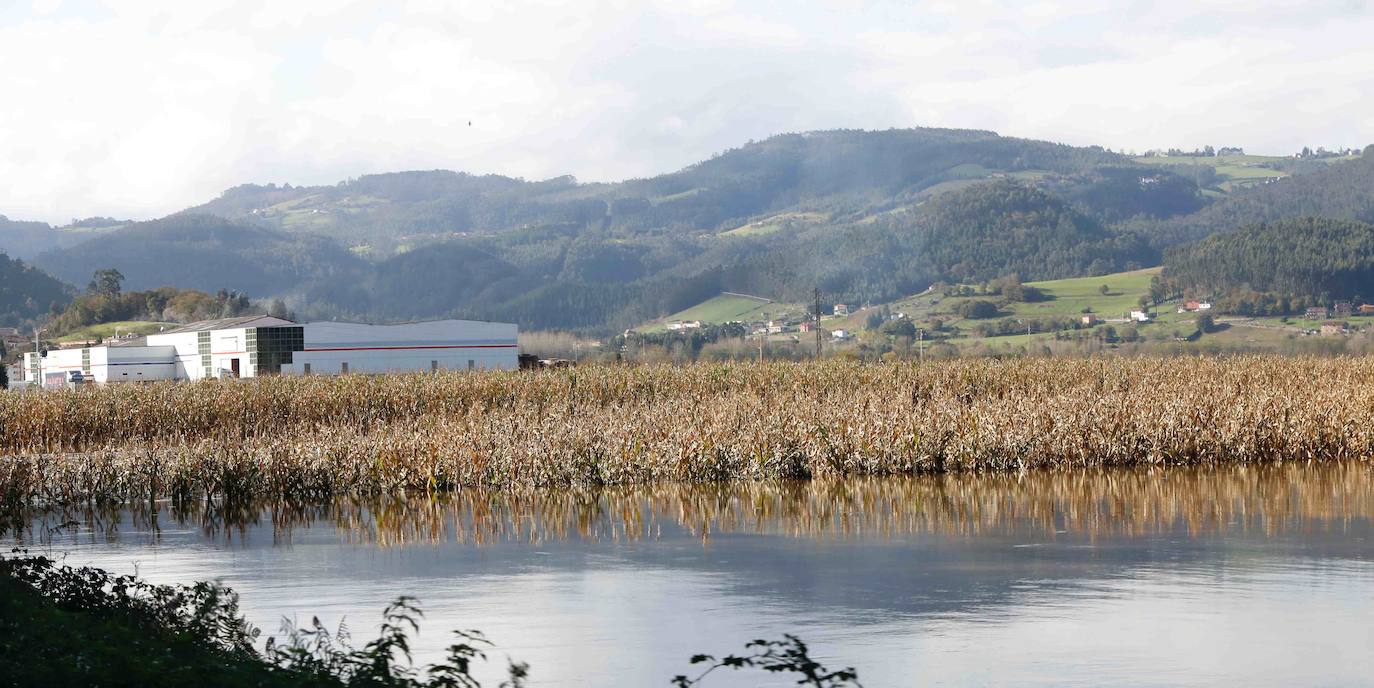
[138, 109]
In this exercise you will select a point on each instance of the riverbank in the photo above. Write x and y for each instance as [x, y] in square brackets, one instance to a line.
[314, 438]
[66, 626]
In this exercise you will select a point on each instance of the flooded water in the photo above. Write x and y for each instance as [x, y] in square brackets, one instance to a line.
[1260, 576]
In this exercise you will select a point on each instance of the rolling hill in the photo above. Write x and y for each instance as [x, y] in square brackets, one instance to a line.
[26, 293]
[864, 216]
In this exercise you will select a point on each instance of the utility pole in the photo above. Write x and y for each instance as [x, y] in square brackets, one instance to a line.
[818, 322]
[920, 345]
[763, 336]
[37, 357]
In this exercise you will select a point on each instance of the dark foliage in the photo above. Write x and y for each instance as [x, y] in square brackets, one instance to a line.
[1277, 266]
[61, 625]
[161, 304]
[1342, 190]
[27, 293]
[204, 252]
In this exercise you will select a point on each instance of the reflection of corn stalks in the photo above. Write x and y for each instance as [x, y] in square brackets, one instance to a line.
[317, 437]
[1266, 498]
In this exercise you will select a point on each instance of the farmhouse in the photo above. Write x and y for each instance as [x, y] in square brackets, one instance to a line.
[841, 310]
[11, 336]
[1334, 327]
[1192, 306]
[1140, 316]
[1366, 309]
[1317, 313]
[254, 346]
[1090, 319]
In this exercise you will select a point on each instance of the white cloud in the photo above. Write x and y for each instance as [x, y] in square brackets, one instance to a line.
[142, 108]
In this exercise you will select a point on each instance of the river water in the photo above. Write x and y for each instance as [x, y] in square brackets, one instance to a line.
[1259, 575]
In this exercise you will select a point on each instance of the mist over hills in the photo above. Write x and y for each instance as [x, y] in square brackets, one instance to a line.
[864, 216]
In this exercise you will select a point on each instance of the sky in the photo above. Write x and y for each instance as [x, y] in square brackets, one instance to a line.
[136, 109]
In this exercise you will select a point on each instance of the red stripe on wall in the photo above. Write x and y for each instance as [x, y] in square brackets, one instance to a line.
[406, 348]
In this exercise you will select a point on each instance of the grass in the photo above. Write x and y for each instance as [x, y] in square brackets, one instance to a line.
[107, 330]
[772, 224]
[1235, 171]
[319, 437]
[725, 308]
[1068, 297]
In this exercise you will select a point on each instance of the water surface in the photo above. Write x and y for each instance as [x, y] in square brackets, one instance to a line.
[1259, 575]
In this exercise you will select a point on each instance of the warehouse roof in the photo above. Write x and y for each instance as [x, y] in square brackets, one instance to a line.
[231, 324]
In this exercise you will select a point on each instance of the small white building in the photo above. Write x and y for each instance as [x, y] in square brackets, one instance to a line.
[839, 334]
[1140, 316]
[262, 345]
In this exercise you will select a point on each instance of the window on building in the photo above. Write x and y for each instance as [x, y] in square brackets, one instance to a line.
[433, 366]
[343, 367]
[306, 369]
[472, 364]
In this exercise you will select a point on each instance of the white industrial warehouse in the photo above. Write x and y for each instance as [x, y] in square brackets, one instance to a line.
[263, 345]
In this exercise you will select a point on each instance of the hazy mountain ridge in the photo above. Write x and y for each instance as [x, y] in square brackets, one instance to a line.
[861, 215]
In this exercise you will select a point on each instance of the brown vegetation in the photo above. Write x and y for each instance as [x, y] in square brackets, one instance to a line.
[315, 437]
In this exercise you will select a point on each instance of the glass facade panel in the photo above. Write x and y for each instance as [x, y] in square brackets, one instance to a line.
[270, 347]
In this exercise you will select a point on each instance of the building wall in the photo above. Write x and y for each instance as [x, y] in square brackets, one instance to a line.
[328, 349]
[135, 364]
[335, 348]
[185, 348]
[101, 364]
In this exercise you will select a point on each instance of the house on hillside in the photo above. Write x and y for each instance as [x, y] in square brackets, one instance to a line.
[839, 334]
[1090, 319]
[841, 310]
[1334, 327]
[808, 326]
[12, 337]
[677, 325]
[1317, 313]
[1140, 316]
[1366, 309]
[1343, 309]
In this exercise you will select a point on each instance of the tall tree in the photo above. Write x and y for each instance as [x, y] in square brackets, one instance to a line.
[106, 282]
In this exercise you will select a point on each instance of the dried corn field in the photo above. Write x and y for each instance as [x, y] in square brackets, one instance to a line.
[316, 437]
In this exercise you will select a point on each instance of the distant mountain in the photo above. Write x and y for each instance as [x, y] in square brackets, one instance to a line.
[861, 215]
[842, 172]
[203, 252]
[27, 293]
[1342, 190]
[24, 239]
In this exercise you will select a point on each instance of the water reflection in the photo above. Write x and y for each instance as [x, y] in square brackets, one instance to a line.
[1267, 498]
[1256, 575]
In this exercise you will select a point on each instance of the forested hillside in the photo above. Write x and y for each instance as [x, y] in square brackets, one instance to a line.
[203, 252]
[1341, 191]
[1278, 265]
[863, 216]
[841, 174]
[27, 293]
